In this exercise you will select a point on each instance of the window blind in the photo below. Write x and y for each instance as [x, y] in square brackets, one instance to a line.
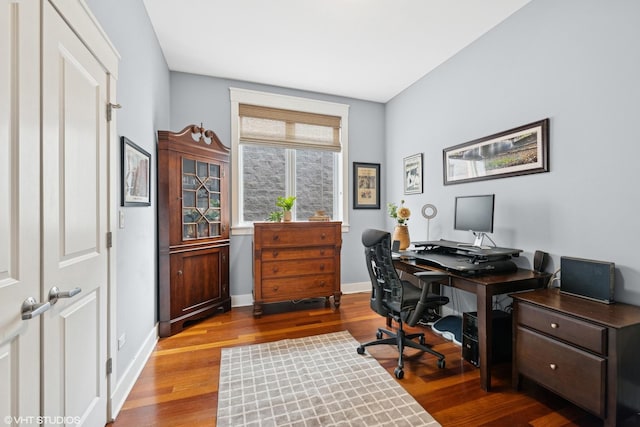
[288, 128]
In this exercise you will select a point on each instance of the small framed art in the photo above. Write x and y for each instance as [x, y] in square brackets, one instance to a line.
[366, 185]
[136, 171]
[413, 174]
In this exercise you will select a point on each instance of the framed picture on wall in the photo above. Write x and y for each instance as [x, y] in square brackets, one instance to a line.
[366, 185]
[518, 151]
[136, 171]
[413, 174]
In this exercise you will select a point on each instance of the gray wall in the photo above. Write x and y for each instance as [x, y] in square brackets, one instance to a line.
[196, 99]
[574, 61]
[143, 92]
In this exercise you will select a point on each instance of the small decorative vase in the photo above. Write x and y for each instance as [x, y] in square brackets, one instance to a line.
[401, 233]
[286, 217]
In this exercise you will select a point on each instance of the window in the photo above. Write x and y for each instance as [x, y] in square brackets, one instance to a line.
[284, 145]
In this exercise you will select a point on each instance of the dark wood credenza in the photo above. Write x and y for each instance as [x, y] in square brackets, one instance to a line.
[585, 351]
[296, 260]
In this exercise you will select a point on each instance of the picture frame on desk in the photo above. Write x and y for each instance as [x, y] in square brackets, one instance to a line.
[519, 151]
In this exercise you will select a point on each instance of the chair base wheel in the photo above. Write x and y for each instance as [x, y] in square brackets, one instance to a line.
[360, 350]
[399, 373]
[441, 363]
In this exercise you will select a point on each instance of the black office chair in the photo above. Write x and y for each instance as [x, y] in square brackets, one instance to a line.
[397, 299]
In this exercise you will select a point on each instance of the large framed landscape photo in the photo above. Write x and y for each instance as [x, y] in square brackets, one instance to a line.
[518, 151]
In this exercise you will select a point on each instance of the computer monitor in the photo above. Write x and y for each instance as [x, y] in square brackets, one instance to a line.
[475, 214]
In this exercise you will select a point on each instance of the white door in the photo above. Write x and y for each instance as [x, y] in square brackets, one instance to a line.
[74, 226]
[19, 211]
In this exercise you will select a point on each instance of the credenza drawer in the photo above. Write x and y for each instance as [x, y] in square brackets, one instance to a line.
[575, 331]
[297, 268]
[318, 235]
[573, 373]
[297, 287]
[281, 254]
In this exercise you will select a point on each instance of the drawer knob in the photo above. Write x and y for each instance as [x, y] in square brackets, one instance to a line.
[323, 236]
[555, 326]
[275, 288]
[179, 272]
[276, 237]
[275, 254]
[321, 251]
[553, 366]
[275, 269]
[321, 267]
[322, 283]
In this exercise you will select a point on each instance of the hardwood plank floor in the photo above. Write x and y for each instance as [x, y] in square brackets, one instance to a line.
[179, 384]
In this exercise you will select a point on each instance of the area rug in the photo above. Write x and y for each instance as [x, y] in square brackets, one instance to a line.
[313, 381]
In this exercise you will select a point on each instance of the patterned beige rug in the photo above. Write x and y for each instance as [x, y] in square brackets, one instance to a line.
[314, 381]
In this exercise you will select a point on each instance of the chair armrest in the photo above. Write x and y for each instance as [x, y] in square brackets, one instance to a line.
[428, 277]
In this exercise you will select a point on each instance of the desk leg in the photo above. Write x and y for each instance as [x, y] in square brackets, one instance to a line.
[485, 334]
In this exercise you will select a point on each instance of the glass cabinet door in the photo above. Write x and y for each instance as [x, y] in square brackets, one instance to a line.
[201, 216]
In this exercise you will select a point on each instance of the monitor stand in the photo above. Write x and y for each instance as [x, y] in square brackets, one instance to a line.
[477, 243]
[479, 238]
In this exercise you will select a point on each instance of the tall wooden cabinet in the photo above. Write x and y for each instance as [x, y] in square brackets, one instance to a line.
[193, 227]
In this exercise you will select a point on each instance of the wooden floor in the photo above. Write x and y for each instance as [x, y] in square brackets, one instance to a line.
[179, 384]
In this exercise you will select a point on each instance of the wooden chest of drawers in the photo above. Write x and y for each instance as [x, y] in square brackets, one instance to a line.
[296, 260]
[583, 350]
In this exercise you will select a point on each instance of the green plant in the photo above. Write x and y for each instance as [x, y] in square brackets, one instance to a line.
[275, 216]
[286, 203]
[400, 214]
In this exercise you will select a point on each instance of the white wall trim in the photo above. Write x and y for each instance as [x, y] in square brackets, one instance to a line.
[132, 372]
[239, 96]
[245, 300]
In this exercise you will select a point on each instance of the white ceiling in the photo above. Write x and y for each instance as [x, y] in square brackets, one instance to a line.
[365, 49]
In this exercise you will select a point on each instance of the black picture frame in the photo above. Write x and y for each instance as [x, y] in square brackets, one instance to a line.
[519, 151]
[135, 174]
[366, 185]
[412, 178]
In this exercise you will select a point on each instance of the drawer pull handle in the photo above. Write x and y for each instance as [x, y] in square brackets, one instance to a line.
[275, 288]
[323, 236]
[555, 326]
[179, 272]
[321, 251]
[553, 366]
[322, 283]
[321, 267]
[275, 254]
[275, 269]
[276, 237]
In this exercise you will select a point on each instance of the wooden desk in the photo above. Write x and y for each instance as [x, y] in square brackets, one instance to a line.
[485, 287]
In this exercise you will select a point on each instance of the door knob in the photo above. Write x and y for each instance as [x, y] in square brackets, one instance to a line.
[31, 308]
[55, 293]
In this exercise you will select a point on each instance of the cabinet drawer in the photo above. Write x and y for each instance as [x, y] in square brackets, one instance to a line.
[575, 374]
[298, 287]
[317, 235]
[273, 254]
[297, 268]
[575, 331]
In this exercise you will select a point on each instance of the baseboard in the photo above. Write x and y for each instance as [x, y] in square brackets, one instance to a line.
[244, 300]
[132, 372]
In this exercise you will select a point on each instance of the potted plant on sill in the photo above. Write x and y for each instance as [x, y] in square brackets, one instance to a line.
[286, 203]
